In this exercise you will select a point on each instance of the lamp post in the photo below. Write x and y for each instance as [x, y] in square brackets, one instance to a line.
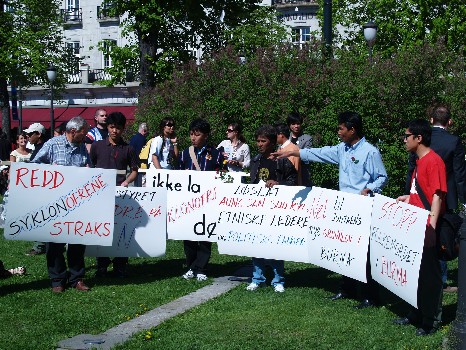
[51, 75]
[328, 27]
[456, 337]
[370, 32]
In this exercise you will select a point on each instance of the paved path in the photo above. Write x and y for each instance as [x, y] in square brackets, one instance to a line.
[121, 333]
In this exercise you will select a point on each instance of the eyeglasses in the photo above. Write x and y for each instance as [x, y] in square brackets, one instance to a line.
[230, 130]
[405, 137]
[169, 125]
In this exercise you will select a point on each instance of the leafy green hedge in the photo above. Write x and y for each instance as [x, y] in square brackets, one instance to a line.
[277, 80]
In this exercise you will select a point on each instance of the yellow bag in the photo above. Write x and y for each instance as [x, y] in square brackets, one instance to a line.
[144, 155]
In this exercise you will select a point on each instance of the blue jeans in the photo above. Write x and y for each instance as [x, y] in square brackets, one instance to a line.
[259, 264]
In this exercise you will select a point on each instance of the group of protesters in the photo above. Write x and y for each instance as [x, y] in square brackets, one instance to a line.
[438, 170]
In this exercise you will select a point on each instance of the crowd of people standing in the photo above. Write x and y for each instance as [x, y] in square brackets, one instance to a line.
[284, 154]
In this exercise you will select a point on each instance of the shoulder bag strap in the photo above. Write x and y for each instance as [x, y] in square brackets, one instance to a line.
[194, 158]
[421, 194]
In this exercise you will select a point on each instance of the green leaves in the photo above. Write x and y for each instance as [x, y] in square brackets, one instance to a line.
[281, 79]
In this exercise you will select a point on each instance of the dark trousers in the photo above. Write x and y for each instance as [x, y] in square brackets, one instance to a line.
[369, 290]
[429, 291]
[197, 255]
[56, 264]
[119, 263]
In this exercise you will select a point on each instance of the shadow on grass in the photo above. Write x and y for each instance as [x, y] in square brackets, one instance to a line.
[23, 287]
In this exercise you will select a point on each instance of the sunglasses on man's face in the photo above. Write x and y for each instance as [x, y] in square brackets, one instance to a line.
[169, 125]
[230, 130]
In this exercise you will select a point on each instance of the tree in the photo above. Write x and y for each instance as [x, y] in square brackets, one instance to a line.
[261, 28]
[30, 40]
[281, 79]
[402, 23]
[164, 29]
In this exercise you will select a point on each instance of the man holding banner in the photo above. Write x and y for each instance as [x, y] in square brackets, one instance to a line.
[67, 150]
[428, 183]
[361, 171]
[202, 157]
[114, 153]
[272, 172]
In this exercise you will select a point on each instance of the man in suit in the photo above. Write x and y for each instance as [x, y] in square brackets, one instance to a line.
[452, 152]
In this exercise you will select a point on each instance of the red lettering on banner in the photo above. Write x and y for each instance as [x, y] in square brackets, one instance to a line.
[38, 178]
[80, 228]
[396, 273]
[398, 216]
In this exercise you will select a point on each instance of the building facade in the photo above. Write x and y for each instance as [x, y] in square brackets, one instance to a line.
[87, 22]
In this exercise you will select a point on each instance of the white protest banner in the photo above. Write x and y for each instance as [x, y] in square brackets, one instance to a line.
[191, 199]
[261, 222]
[140, 224]
[338, 237]
[63, 204]
[396, 244]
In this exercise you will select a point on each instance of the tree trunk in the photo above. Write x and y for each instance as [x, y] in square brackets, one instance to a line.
[5, 106]
[147, 56]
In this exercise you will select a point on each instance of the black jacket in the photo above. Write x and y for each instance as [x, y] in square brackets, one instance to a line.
[286, 172]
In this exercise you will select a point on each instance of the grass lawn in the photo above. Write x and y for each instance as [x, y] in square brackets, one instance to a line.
[301, 318]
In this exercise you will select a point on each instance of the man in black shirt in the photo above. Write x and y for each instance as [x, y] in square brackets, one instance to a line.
[271, 172]
[114, 153]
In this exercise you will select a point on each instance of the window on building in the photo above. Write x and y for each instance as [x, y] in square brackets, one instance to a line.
[300, 35]
[74, 48]
[107, 49]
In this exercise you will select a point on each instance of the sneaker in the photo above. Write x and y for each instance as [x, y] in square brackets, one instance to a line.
[252, 287]
[279, 288]
[188, 275]
[201, 277]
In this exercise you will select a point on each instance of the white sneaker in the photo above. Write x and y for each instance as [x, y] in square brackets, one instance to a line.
[252, 287]
[201, 277]
[279, 288]
[188, 275]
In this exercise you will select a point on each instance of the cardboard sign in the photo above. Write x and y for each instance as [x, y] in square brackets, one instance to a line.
[339, 235]
[191, 200]
[63, 204]
[397, 241]
[255, 221]
[140, 224]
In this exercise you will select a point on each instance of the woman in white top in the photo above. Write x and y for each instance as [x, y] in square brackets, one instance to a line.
[236, 151]
[20, 154]
[164, 148]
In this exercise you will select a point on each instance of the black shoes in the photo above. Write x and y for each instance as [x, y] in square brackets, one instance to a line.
[420, 332]
[404, 321]
[339, 296]
[364, 304]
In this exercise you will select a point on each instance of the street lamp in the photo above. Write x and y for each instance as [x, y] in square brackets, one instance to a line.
[51, 75]
[370, 32]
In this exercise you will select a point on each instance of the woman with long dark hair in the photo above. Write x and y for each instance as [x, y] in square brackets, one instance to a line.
[236, 151]
[164, 148]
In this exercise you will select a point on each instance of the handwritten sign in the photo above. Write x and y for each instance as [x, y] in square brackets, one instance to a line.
[339, 235]
[63, 204]
[140, 224]
[256, 221]
[191, 200]
[397, 241]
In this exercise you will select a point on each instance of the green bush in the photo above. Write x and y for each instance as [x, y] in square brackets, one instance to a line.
[275, 81]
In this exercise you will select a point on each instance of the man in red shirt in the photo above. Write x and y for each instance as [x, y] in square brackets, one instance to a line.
[429, 177]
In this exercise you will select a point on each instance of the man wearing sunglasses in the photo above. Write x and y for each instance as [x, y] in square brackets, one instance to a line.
[100, 131]
[36, 134]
